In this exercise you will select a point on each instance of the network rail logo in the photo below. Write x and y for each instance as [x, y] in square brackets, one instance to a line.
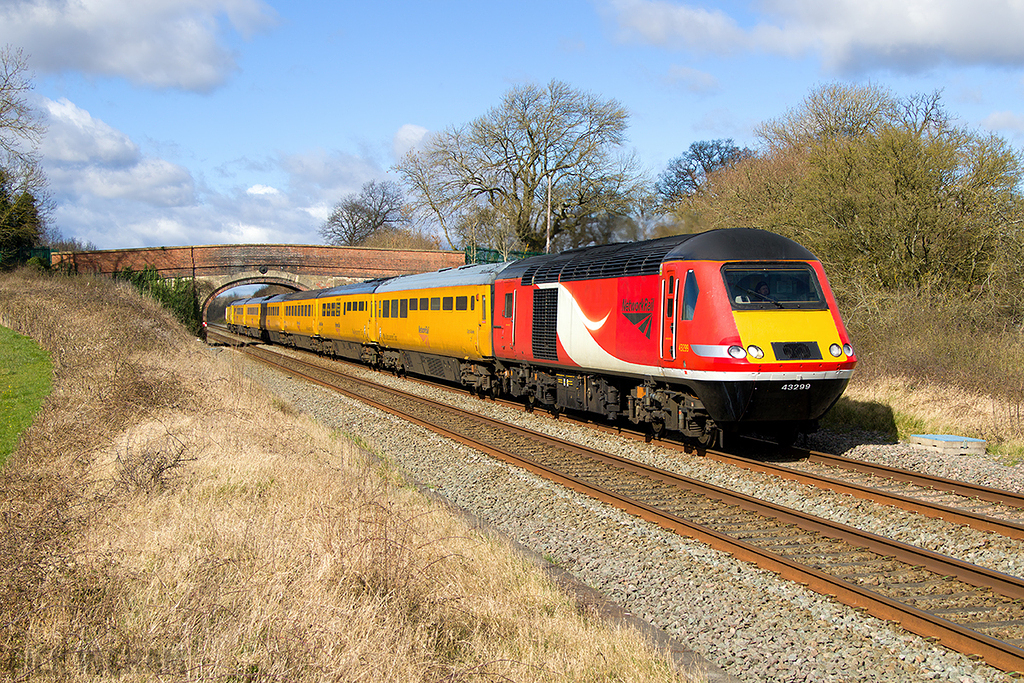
[640, 313]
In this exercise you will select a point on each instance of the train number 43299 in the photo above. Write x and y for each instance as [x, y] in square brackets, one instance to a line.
[796, 386]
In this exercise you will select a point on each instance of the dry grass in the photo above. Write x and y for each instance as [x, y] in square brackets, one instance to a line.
[163, 519]
[933, 363]
[901, 406]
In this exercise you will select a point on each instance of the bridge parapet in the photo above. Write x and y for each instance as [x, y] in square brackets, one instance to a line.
[230, 259]
[219, 268]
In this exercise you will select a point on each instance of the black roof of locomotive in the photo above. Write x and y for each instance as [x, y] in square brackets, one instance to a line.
[645, 258]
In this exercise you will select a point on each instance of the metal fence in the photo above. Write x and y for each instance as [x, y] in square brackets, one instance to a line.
[483, 255]
[24, 254]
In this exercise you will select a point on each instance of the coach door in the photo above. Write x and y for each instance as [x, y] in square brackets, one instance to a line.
[669, 290]
[506, 325]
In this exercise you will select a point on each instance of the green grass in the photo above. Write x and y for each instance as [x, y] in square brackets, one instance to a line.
[25, 376]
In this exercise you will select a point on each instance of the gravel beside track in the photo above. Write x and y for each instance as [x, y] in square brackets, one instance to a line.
[743, 619]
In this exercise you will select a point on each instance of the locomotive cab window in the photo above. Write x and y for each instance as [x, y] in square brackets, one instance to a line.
[773, 286]
[690, 294]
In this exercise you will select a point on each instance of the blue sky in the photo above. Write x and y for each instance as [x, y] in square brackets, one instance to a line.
[174, 122]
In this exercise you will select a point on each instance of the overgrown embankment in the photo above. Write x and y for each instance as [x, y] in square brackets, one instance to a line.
[932, 363]
[162, 517]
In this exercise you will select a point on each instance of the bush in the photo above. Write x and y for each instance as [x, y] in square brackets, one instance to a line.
[178, 295]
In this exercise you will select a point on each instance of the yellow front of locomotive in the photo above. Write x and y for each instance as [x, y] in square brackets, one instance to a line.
[792, 357]
[229, 316]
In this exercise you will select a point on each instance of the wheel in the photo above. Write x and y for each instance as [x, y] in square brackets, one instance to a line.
[711, 435]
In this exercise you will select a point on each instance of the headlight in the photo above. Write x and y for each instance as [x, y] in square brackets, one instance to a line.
[836, 350]
[847, 349]
[755, 352]
[737, 352]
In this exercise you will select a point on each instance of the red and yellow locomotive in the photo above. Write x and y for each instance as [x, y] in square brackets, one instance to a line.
[723, 331]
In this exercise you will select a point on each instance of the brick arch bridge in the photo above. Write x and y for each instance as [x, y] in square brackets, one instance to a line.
[217, 269]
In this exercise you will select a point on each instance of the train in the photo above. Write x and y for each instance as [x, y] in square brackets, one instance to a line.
[729, 331]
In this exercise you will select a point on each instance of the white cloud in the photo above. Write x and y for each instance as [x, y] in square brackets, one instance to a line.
[1004, 120]
[326, 176]
[111, 192]
[673, 25]
[151, 181]
[407, 139]
[848, 35]
[258, 190]
[156, 43]
[320, 212]
[74, 136]
[692, 80]
[85, 156]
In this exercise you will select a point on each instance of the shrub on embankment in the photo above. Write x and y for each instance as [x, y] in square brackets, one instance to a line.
[163, 517]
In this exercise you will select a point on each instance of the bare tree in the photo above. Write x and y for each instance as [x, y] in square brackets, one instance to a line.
[24, 203]
[687, 172]
[546, 156]
[358, 217]
[21, 128]
[832, 112]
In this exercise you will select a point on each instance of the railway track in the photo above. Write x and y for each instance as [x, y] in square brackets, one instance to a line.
[979, 507]
[968, 608]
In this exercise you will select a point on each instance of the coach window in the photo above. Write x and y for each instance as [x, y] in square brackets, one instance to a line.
[424, 304]
[461, 303]
[507, 312]
[386, 310]
[435, 303]
[690, 293]
[413, 303]
[403, 308]
[446, 303]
